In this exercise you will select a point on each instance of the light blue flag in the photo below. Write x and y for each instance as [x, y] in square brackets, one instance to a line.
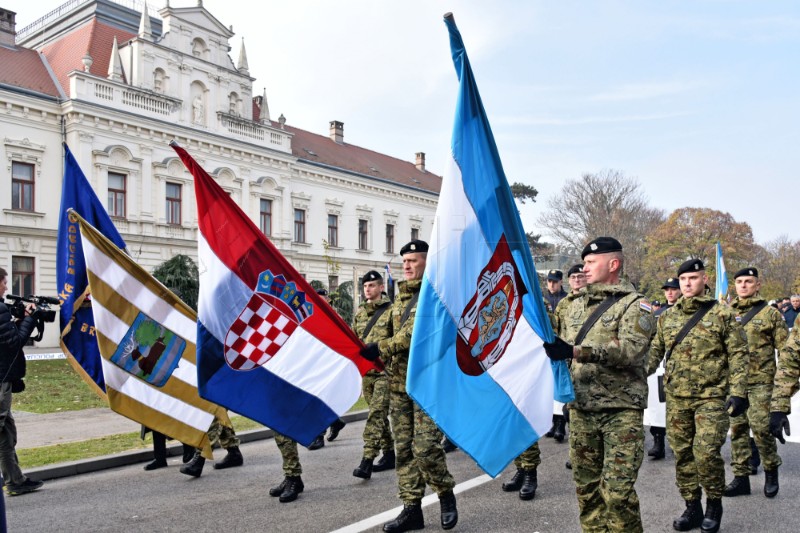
[77, 322]
[722, 276]
[477, 364]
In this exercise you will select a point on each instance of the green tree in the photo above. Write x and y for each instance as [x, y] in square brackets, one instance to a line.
[342, 301]
[181, 276]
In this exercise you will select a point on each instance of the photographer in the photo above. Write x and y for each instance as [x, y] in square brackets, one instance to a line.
[13, 336]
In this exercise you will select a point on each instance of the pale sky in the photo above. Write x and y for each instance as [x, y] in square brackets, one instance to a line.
[699, 100]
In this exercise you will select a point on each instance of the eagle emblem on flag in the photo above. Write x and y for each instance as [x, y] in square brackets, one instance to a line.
[270, 317]
[489, 319]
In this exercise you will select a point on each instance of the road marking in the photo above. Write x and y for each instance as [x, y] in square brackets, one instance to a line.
[430, 499]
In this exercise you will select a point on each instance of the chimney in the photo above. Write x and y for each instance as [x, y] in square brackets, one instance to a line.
[420, 161]
[8, 27]
[337, 131]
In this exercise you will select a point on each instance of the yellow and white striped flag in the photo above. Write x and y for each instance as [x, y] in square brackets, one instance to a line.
[147, 338]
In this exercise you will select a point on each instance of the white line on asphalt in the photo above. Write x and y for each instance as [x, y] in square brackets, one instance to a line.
[430, 499]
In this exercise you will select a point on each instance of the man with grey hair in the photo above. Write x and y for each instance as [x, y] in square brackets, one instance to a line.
[791, 312]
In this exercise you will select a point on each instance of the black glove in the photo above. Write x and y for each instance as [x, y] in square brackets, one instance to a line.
[736, 405]
[778, 424]
[558, 350]
[370, 352]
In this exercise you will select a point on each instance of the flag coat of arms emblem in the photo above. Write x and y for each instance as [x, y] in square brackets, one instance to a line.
[146, 336]
[268, 346]
[477, 364]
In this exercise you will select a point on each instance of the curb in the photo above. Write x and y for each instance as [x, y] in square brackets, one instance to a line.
[95, 464]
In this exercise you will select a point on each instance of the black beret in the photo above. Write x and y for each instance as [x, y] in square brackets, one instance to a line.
[692, 265]
[414, 246]
[575, 269]
[749, 271]
[656, 302]
[322, 292]
[372, 275]
[555, 275]
[671, 283]
[601, 245]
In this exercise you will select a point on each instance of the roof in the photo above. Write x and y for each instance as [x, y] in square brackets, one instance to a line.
[29, 71]
[94, 37]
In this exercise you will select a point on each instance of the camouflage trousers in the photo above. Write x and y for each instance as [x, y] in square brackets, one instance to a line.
[757, 419]
[418, 448]
[377, 432]
[697, 429]
[606, 449]
[224, 435]
[529, 459]
[291, 459]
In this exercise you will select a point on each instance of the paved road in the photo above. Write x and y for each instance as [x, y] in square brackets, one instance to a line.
[129, 499]
[34, 430]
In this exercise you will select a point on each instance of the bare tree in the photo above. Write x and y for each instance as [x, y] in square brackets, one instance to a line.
[780, 267]
[605, 203]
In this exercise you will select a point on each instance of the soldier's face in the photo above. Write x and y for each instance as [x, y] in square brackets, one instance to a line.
[3, 286]
[747, 286]
[554, 286]
[373, 290]
[600, 268]
[693, 283]
[414, 265]
[577, 281]
[672, 294]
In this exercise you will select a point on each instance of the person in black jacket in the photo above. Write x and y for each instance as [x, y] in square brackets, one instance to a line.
[13, 336]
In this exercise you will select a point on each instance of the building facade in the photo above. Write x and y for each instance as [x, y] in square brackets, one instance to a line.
[117, 81]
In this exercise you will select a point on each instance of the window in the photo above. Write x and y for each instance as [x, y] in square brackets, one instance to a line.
[389, 238]
[21, 186]
[299, 225]
[414, 234]
[363, 234]
[333, 283]
[333, 230]
[116, 194]
[22, 276]
[174, 204]
[266, 217]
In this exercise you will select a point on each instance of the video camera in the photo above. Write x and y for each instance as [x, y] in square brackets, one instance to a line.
[42, 314]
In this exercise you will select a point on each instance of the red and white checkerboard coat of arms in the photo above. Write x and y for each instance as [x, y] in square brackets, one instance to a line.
[259, 331]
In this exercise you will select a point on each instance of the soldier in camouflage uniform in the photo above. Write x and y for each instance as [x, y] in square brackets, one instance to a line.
[766, 332]
[417, 439]
[223, 435]
[291, 485]
[608, 374]
[707, 367]
[786, 385]
[375, 385]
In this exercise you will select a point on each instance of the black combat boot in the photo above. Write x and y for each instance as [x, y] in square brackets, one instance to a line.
[568, 465]
[364, 470]
[188, 453]
[386, 462]
[552, 431]
[317, 443]
[529, 485]
[559, 428]
[409, 519]
[159, 452]
[277, 491]
[194, 467]
[691, 518]
[657, 451]
[771, 483]
[713, 516]
[755, 457]
[336, 427]
[516, 482]
[448, 445]
[234, 458]
[740, 486]
[293, 487]
[447, 504]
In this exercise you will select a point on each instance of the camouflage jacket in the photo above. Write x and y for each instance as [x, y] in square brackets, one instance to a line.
[609, 373]
[559, 316]
[711, 361]
[788, 374]
[766, 332]
[394, 350]
[382, 329]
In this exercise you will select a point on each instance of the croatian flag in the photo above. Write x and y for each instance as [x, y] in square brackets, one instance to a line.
[722, 276]
[389, 278]
[477, 364]
[268, 347]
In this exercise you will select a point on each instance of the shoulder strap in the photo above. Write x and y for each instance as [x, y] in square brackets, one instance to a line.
[696, 317]
[375, 316]
[596, 314]
[409, 307]
[752, 313]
